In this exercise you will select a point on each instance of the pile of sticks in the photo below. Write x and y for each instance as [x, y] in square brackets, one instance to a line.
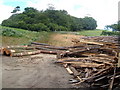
[93, 60]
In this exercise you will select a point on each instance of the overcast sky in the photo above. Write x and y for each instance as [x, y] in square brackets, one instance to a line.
[104, 11]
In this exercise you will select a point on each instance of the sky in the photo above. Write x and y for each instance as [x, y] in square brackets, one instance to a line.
[105, 12]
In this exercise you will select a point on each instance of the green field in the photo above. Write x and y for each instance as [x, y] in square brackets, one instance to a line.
[96, 32]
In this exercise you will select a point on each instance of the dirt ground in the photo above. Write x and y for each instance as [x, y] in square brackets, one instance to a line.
[39, 72]
[63, 39]
[36, 71]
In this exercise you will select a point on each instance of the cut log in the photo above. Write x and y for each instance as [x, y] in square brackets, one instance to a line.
[49, 52]
[8, 52]
[17, 46]
[75, 72]
[25, 53]
[68, 69]
[90, 42]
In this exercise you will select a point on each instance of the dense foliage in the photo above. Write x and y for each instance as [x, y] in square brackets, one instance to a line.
[11, 32]
[49, 20]
[110, 33]
[114, 27]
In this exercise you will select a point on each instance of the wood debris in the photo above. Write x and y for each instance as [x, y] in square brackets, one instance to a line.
[92, 60]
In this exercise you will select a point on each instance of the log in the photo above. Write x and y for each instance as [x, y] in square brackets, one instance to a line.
[80, 52]
[93, 59]
[119, 60]
[98, 74]
[88, 65]
[112, 81]
[90, 42]
[101, 78]
[108, 51]
[52, 47]
[25, 53]
[33, 52]
[68, 69]
[8, 52]
[49, 52]
[83, 64]
[75, 72]
[17, 46]
[35, 43]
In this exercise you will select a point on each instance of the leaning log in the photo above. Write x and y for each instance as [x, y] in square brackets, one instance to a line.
[68, 69]
[75, 72]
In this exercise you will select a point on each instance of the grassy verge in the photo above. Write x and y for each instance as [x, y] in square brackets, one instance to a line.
[96, 32]
[15, 36]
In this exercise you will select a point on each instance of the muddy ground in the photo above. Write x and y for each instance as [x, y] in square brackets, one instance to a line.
[36, 71]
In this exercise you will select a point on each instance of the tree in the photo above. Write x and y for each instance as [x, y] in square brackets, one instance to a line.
[16, 9]
[51, 7]
[89, 23]
[50, 19]
[114, 27]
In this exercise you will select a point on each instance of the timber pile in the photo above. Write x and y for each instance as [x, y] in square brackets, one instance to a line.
[34, 48]
[93, 60]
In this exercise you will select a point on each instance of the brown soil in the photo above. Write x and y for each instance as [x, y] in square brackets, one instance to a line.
[63, 39]
[30, 72]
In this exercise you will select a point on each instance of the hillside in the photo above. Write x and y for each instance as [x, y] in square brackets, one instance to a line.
[15, 36]
[49, 20]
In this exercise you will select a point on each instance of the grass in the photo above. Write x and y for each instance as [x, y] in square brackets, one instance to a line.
[26, 36]
[62, 38]
[96, 32]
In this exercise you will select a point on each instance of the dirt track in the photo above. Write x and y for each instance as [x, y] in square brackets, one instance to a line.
[30, 72]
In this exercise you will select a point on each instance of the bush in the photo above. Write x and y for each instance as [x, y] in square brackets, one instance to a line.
[11, 33]
[109, 33]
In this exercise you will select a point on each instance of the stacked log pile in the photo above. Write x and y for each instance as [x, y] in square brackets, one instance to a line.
[92, 60]
[34, 48]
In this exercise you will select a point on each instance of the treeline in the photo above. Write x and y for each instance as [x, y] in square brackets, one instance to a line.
[49, 20]
[110, 33]
[114, 27]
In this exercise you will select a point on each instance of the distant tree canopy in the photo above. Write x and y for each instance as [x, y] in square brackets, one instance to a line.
[114, 27]
[49, 20]
[16, 9]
